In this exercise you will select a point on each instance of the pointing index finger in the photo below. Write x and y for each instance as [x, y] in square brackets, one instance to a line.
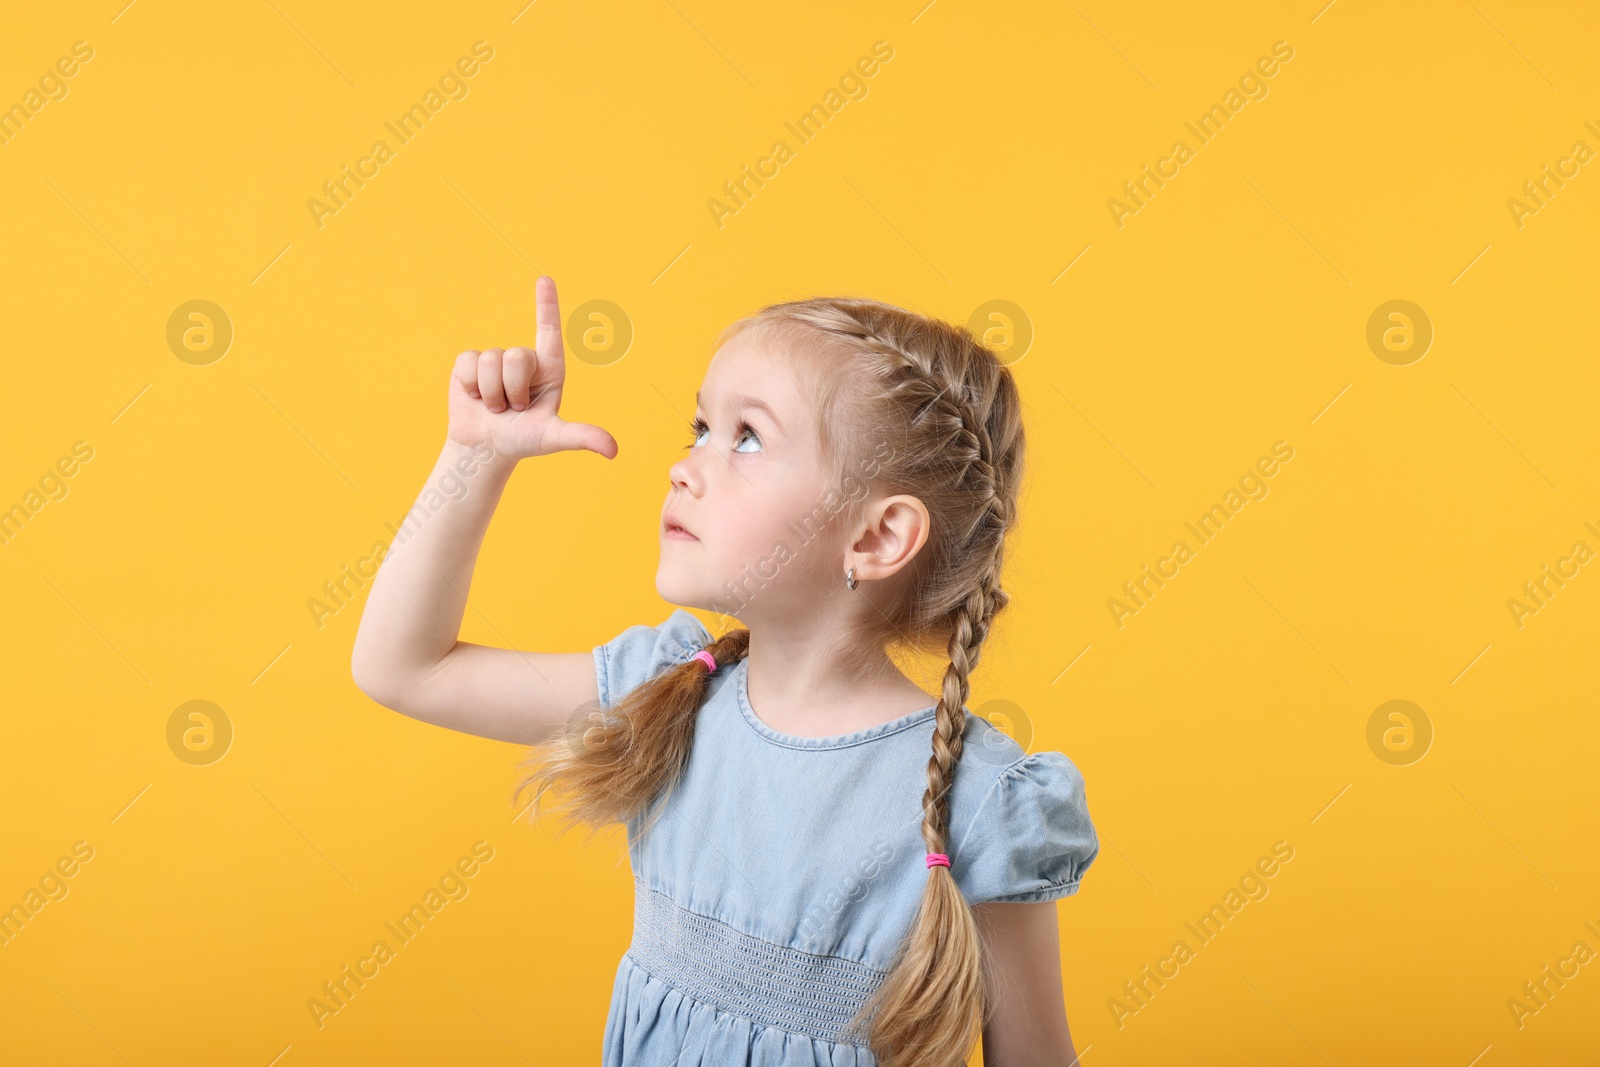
[548, 339]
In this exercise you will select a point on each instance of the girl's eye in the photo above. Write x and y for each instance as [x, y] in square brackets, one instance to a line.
[746, 434]
[698, 429]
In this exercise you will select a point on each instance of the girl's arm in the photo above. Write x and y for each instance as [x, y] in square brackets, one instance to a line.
[1028, 1026]
[407, 656]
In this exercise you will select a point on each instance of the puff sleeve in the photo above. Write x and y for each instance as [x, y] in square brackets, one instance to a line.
[641, 652]
[1032, 838]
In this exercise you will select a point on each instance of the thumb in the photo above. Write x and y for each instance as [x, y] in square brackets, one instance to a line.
[566, 435]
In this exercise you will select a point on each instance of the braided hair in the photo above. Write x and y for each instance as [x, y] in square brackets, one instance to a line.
[940, 417]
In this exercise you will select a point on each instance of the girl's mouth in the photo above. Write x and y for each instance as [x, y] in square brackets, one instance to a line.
[671, 531]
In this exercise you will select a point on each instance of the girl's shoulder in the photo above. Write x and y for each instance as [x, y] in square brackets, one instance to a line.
[1028, 836]
[641, 652]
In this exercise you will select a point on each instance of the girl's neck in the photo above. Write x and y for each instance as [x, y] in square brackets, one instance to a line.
[792, 700]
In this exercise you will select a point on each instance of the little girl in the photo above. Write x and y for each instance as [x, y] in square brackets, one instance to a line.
[831, 866]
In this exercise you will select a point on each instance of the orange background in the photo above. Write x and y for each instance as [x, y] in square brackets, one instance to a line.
[1168, 353]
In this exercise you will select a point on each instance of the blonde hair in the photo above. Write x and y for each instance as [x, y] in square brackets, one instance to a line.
[950, 414]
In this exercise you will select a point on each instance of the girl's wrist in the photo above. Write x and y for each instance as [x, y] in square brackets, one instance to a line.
[471, 459]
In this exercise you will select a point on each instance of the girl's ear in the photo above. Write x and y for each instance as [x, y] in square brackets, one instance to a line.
[896, 530]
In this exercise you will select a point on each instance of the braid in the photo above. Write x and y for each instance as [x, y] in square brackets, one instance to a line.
[951, 719]
[606, 766]
[971, 629]
[968, 436]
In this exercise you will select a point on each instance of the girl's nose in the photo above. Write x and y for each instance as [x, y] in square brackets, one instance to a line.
[681, 475]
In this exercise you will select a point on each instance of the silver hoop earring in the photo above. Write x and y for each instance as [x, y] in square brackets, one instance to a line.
[850, 579]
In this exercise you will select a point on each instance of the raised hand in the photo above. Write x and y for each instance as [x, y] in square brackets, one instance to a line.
[509, 397]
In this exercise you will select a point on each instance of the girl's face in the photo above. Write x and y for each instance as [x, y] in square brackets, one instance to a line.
[750, 491]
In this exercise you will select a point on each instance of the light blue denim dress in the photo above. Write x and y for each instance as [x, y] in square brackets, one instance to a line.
[784, 871]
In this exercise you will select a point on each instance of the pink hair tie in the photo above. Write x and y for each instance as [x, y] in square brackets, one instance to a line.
[937, 859]
[707, 658]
